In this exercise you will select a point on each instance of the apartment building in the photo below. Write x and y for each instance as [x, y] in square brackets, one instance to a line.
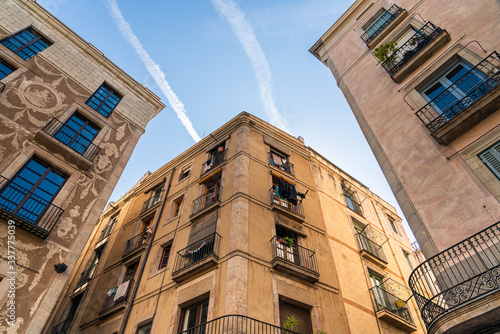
[421, 78]
[239, 233]
[69, 121]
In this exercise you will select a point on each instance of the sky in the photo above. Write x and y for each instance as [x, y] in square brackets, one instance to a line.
[208, 60]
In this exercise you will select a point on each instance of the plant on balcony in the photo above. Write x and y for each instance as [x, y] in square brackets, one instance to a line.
[320, 331]
[386, 51]
[291, 323]
[290, 242]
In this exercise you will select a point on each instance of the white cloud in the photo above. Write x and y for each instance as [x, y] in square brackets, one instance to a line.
[246, 36]
[153, 68]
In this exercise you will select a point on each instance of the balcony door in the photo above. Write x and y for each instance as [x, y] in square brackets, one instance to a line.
[192, 317]
[143, 235]
[363, 239]
[379, 292]
[286, 245]
[31, 190]
[211, 192]
[301, 314]
[77, 133]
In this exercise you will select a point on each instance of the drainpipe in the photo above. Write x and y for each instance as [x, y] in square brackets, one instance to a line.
[141, 271]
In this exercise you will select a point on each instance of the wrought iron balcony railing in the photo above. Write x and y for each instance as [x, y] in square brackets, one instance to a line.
[115, 295]
[70, 138]
[464, 92]
[152, 201]
[414, 45]
[197, 251]
[236, 324]
[86, 276]
[458, 276]
[212, 163]
[206, 200]
[137, 241]
[285, 204]
[371, 246]
[390, 296]
[28, 210]
[286, 167]
[63, 327]
[297, 255]
[381, 23]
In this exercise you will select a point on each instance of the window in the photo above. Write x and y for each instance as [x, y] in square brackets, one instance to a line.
[491, 158]
[193, 316]
[130, 272]
[164, 256]
[408, 260]
[31, 190]
[217, 156]
[350, 200]
[144, 234]
[301, 314]
[393, 225]
[364, 240]
[104, 100]
[286, 245]
[280, 161]
[379, 292]
[177, 207]
[451, 85]
[144, 329]
[77, 133]
[26, 43]
[154, 199]
[184, 173]
[108, 229]
[5, 69]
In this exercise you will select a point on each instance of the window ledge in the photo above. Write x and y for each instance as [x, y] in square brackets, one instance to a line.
[396, 321]
[421, 57]
[294, 270]
[469, 117]
[394, 23]
[374, 259]
[195, 268]
[56, 146]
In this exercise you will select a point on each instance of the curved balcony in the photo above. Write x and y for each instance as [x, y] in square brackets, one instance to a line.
[460, 277]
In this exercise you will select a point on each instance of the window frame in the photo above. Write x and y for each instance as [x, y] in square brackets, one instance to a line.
[102, 103]
[78, 133]
[8, 66]
[177, 207]
[494, 150]
[38, 38]
[392, 222]
[130, 270]
[199, 312]
[165, 249]
[185, 172]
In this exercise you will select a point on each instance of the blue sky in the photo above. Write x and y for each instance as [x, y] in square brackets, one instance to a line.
[218, 65]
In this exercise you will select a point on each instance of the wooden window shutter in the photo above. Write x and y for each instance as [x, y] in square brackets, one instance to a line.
[491, 158]
[302, 314]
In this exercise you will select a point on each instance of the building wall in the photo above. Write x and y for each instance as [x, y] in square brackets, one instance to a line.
[54, 84]
[244, 281]
[444, 200]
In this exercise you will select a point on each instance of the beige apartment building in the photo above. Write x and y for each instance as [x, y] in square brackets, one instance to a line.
[246, 228]
[69, 121]
[421, 77]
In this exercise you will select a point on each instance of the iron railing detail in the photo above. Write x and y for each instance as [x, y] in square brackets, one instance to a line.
[474, 84]
[297, 255]
[393, 297]
[34, 213]
[206, 200]
[197, 251]
[70, 138]
[285, 204]
[414, 45]
[152, 201]
[215, 160]
[371, 246]
[86, 276]
[137, 241]
[111, 300]
[381, 23]
[236, 324]
[63, 327]
[286, 167]
[460, 275]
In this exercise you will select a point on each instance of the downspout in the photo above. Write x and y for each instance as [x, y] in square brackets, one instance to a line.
[143, 265]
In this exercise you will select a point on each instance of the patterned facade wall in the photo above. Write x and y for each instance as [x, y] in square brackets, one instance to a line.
[34, 94]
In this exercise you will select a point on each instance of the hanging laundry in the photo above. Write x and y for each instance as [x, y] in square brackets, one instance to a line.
[277, 160]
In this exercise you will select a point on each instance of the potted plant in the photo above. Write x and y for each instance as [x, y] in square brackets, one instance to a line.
[290, 242]
[386, 51]
[291, 323]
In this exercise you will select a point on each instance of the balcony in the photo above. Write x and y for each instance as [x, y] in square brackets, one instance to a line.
[75, 148]
[420, 47]
[468, 101]
[236, 324]
[30, 212]
[390, 301]
[206, 202]
[286, 167]
[86, 276]
[215, 161]
[294, 210]
[381, 24]
[137, 243]
[196, 257]
[62, 327]
[296, 260]
[371, 250]
[152, 201]
[463, 279]
[116, 298]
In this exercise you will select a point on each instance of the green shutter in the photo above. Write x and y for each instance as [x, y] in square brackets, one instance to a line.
[491, 158]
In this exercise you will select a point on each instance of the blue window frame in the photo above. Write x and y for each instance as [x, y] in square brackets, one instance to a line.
[77, 133]
[26, 43]
[104, 100]
[5, 69]
[31, 190]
